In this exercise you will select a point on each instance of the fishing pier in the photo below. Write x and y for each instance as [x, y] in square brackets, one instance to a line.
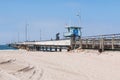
[73, 41]
[54, 45]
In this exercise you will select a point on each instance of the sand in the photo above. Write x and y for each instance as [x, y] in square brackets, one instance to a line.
[84, 65]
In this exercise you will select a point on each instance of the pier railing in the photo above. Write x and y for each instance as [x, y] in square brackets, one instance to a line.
[104, 42]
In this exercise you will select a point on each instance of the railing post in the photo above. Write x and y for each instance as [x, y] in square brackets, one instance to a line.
[86, 43]
[80, 43]
[93, 45]
[113, 42]
[102, 43]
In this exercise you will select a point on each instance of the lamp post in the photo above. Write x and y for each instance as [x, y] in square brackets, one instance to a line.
[26, 32]
[80, 24]
[18, 37]
[80, 30]
[40, 34]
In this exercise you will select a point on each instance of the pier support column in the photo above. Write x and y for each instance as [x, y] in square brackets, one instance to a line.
[60, 49]
[56, 49]
[80, 43]
[50, 49]
[37, 48]
[42, 48]
[113, 43]
[86, 43]
[93, 44]
[34, 48]
[73, 42]
[102, 44]
[46, 48]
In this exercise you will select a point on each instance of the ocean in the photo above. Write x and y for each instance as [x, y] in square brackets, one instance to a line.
[6, 47]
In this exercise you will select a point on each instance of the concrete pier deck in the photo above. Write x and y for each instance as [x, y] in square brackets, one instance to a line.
[54, 45]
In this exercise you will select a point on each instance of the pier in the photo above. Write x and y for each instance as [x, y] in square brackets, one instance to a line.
[54, 45]
[73, 40]
[99, 42]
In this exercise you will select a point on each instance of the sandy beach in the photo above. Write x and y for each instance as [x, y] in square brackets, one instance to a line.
[85, 65]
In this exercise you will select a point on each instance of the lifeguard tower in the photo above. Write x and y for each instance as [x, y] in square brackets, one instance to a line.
[74, 33]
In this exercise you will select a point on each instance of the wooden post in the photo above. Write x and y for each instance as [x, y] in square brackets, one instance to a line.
[60, 49]
[42, 48]
[73, 42]
[86, 43]
[102, 44]
[93, 44]
[34, 48]
[56, 49]
[80, 43]
[37, 48]
[50, 48]
[113, 42]
[46, 48]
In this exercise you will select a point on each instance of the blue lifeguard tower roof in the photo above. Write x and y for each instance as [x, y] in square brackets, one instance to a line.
[73, 30]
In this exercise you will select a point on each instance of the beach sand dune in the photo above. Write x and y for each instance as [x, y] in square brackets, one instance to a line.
[85, 65]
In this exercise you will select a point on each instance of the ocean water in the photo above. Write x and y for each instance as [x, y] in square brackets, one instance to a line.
[6, 47]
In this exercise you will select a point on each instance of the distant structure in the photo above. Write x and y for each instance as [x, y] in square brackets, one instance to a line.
[74, 41]
[74, 33]
[26, 32]
[57, 36]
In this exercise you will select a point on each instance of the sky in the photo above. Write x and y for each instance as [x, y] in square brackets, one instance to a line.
[45, 18]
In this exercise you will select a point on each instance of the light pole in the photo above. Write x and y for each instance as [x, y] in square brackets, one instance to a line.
[26, 32]
[80, 30]
[40, 34]
[79, 19]
[80, 24]
[18, 37]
